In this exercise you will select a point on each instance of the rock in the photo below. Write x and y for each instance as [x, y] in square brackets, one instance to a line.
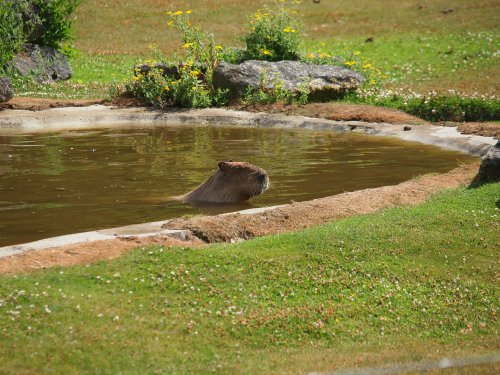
[323, 81]
[165, 69]
[170, 70]
[45, 64]
[6, 92]
[489, 170]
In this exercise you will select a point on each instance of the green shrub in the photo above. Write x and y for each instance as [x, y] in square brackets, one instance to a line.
[452, 108]
[185, 90]
[192, 86]
[12, 34]
[55, 21]
[433, 107]
[43, 22]
[274, 35]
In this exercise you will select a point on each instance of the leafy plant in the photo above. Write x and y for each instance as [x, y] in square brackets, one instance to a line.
[12, 34]
[192, 85]
[55, 21]
[274, 34]
[432, 106]
[273, 94]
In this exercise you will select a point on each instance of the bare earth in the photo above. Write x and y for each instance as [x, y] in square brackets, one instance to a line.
[235, 227]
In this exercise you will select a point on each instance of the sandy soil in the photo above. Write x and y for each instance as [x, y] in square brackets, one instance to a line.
[236, 227]
[339, 112]
[486, 129]
[84, 253]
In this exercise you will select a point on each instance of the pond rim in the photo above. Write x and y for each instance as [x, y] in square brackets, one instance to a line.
[103, 117]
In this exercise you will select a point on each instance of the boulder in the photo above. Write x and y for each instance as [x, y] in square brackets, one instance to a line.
[489, 170]
[6, 92]
[45, 64]
[323, 81]
[170, 70]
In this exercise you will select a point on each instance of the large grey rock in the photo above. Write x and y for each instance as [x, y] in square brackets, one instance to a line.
[323, 81]
[6, 92]
[489, 170]
[45, 64]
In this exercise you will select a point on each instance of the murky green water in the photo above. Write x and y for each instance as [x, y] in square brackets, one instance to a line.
[55, 184]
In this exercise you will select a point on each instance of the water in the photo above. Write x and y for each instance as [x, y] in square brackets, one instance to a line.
[54, 184]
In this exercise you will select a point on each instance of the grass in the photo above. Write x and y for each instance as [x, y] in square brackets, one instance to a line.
[415, 44]
[402, 284]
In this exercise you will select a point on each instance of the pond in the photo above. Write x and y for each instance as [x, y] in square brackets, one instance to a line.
[54, 184]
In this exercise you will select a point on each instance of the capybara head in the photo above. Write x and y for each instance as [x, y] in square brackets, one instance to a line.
[232, 182]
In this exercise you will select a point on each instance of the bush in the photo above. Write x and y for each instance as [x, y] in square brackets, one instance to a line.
[456, 107]
[274, 34]
[55, 21]
[12, 34]
[43, 22]
[192, 85]
[453, 108]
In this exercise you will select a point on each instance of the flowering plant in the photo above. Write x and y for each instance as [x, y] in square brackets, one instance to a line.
[275, 33]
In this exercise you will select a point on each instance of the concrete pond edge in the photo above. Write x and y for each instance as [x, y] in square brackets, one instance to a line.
[103, 117]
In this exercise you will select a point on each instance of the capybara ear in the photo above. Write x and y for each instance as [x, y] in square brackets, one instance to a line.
[222, 165]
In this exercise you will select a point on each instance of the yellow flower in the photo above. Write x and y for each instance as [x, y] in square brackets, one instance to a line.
[265, 52]
[187, 45]
[373, 82]
[218, 47]
[367, 66]
[195, 73]
[311, 56]
[289, 30]
[179, 12]
[350, 63]
[189, 11]
[166, 88]
[356, 53]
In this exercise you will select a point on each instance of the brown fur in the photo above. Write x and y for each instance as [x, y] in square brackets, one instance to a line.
[233, 182]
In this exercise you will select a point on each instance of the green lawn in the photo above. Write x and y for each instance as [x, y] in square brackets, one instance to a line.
[402, 284]
[414, 43]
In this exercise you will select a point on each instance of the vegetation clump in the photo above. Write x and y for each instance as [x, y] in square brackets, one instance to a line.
[46, 23]
[274, 34]
[191, 86]
[432, 106]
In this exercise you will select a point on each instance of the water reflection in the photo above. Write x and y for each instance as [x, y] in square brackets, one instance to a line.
[62, 183]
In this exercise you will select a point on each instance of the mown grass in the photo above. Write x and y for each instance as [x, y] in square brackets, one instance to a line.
[402, 284]
[415, 44]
